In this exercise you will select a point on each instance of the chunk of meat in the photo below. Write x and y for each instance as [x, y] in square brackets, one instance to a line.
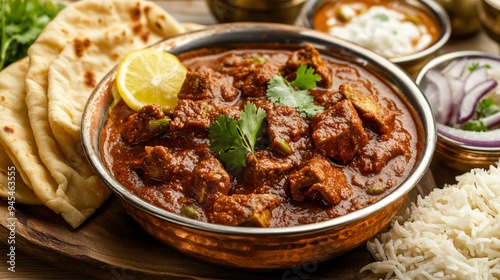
[204, 86]
[312, 58]
[338, 132]
[210, 182]
[284, 126]
[150, 121]
[373, 158]
[160, 164]
[244, 210]
[198, 114]
[376, 116]
[319, 180]
[265, 163]
[252, 80]
[326, 98]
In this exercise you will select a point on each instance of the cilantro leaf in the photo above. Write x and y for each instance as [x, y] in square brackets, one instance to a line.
[487, 107]
[21, 23]
[234, 139]
[295, 94]
[305, 78]
[250, 124]
[474, 125]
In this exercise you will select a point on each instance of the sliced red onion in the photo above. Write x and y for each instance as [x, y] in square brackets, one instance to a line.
[471, 98]
[489, 139]
[438, 93]
[457, 90]
[456, 68]
[475, 77]
[491, 121]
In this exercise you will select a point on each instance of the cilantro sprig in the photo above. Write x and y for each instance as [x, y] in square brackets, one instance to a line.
[234, 139]
[296, 93]
[485, 108]
[21, 23]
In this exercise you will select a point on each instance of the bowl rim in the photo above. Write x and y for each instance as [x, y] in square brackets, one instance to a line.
[437, 10]
[228, 30]
[440, 62]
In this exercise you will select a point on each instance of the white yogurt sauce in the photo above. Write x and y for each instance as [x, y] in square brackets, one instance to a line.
[382, 30]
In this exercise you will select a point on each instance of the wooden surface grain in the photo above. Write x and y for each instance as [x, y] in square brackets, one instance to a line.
[112, 246]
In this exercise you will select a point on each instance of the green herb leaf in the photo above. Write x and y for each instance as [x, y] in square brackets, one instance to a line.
[250, 124]
[487, 107]
[474, 125]
[233, 139]
[382, 17]
[21, 23]
[305, 78]
[295, 94]
[473, 66]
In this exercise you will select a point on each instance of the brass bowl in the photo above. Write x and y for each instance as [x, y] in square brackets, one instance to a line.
[266, 248]
[280, 11]
[463, 16]
[489, 16]
[451, 154]
[411, 62]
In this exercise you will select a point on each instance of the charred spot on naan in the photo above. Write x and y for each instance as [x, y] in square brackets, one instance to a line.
[135, 13]
[90, 79]
[8, 129]
[81, 44]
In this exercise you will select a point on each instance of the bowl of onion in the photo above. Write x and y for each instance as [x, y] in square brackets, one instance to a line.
[463, 89]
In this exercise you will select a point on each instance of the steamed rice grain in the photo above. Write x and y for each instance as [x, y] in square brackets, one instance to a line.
[452, 233]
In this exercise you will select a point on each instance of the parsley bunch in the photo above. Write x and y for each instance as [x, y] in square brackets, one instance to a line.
[233, 139]
[21, 23]
[295, 94]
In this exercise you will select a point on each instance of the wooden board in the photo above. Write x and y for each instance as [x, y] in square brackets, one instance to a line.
[111, 245]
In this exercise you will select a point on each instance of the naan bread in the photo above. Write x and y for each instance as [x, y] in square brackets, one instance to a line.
[12, 182]
[71, 55]
[16, 139]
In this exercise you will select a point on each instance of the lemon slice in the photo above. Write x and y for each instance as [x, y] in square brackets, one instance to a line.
[150, 76]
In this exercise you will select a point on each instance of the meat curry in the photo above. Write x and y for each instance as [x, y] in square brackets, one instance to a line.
[306, 167]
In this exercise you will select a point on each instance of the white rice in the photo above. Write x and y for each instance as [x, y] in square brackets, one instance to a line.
[452, 233]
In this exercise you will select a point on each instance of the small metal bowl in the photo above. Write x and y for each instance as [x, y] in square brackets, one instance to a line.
[456, 156]
[489, 17]
[280, 11]
[266, 248]
[463, 16]
[411, 62]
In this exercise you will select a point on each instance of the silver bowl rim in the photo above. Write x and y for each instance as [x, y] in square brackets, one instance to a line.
[214, 32]
[437, 10]
[440, 62]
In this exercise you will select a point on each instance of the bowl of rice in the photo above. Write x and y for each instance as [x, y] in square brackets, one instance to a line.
[408, 33]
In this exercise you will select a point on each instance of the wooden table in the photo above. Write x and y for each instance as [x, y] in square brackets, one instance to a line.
[30, 266]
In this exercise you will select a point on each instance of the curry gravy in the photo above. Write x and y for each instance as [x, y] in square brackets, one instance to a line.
[319, 179]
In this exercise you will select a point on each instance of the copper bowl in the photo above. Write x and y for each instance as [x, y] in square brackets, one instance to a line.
[410, 62]
[266, 248]
[281, 11]
[489, 17]
[463, 16]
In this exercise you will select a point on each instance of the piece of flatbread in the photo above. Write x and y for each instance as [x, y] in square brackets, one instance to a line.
[12, 183]
[15, 139]
[85, 40]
